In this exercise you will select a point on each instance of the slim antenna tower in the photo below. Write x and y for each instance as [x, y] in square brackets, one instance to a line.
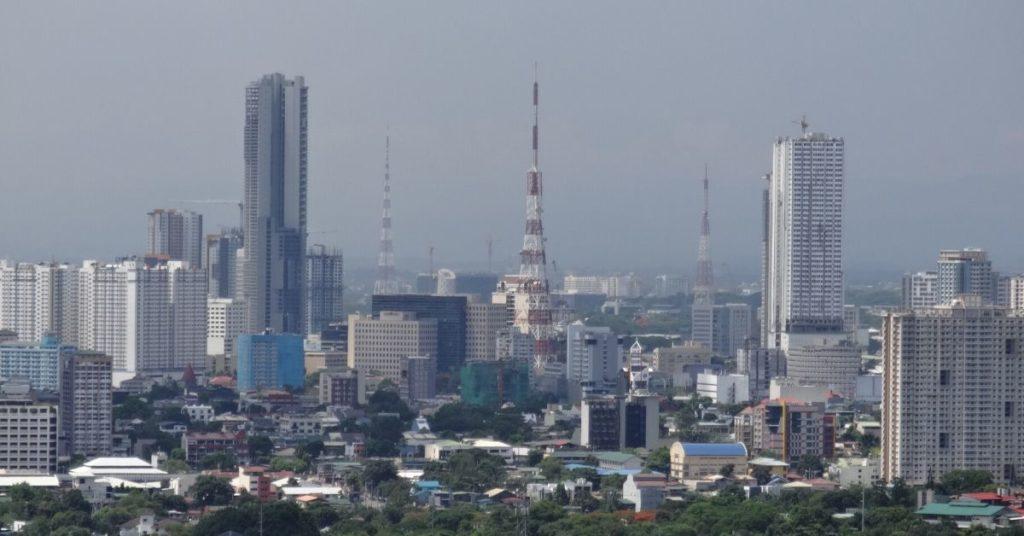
[430, 259]
[386, 282]
[533, 259]
[490, 254]
[704, 286]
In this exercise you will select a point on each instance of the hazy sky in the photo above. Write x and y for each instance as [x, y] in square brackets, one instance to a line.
[111, 109]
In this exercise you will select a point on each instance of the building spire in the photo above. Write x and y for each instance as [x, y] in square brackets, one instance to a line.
[386, 282]
[704, 286]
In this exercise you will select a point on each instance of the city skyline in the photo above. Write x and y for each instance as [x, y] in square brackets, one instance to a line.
[457, 119]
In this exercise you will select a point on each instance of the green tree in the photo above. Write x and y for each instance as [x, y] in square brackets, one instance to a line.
[133, 407]
[469, 470]
[552, 468]
[762, 474]
[658, 460]
[175, 466]
[211, 491]
[223, 461]
[377, 471]
[289, 463]
[810, 464]
[727, 470]
[560, 496]
[961, 481]
[260, 447]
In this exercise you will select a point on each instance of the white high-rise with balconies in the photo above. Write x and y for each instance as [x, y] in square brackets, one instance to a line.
[920, 289]
[952, 396]
[803, 304]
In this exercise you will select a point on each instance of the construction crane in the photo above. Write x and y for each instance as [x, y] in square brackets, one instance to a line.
[241, 216]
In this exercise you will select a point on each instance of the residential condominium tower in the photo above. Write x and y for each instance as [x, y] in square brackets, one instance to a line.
[275, 204]
[953, 392]
[177, 235]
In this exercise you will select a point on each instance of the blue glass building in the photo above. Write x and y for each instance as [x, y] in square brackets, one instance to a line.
[270, 361]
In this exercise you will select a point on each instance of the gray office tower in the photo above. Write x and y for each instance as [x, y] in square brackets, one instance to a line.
[275, 204]
[450, 313]
[222, 263]
[324, 291]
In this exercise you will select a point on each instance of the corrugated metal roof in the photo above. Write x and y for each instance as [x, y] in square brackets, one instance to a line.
[714, 449]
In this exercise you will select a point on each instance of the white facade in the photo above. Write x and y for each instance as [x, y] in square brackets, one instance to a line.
[1016, 284]
[965, 272]
[614, 286]
[804, 267]
[952, 396]
[724, 388]
[483, 322]
[825, 359]
[849, 472]
[593, 357]
[198, 412]
[383, 345]
[920, 289]
[225, 321]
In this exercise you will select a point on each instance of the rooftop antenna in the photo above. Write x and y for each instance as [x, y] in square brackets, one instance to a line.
[490, 254]
[803, 124]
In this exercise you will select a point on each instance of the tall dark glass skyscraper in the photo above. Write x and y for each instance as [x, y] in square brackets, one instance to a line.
[275, 204]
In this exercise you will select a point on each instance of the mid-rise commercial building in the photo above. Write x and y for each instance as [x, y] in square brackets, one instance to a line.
[724, 388]
[225, 321]
[478, 285]
[484, 320]
[28, 433]
[828, 360]
[790, 429]
[732, 325]
[38, 363]
[422, 377]
[324, 289]
[601, 422]
[270, 361]
[383, 345]
[449, 312]
[342, 388]
[198, 445]
[965, 272]
[920, 289]
[593, 359]
[761, 365]
[275, 209]
[693, 461]
[666, 285]
[176, 235]
[86, 403]
[952, 396]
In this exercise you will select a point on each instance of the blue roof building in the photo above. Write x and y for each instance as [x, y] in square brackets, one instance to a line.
[694, 461]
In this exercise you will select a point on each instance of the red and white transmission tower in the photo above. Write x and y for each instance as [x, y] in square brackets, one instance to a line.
[533, 260]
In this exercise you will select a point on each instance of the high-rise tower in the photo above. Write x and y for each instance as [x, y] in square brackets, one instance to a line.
[275, 204]
[386, 282]
[533, 259]
[702, 311]
[704, 288]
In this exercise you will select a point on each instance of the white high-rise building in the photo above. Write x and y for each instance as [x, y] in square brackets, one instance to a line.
[593, 359]
[31, 299]
[965, 272]
[1016, 290]
[804, 265]
[802, 311]
[483, 323]
[920, 289]
[225, 321]
[148, 316]
[952, 396]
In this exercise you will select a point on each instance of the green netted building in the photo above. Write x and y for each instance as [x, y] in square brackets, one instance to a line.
[493, 383]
